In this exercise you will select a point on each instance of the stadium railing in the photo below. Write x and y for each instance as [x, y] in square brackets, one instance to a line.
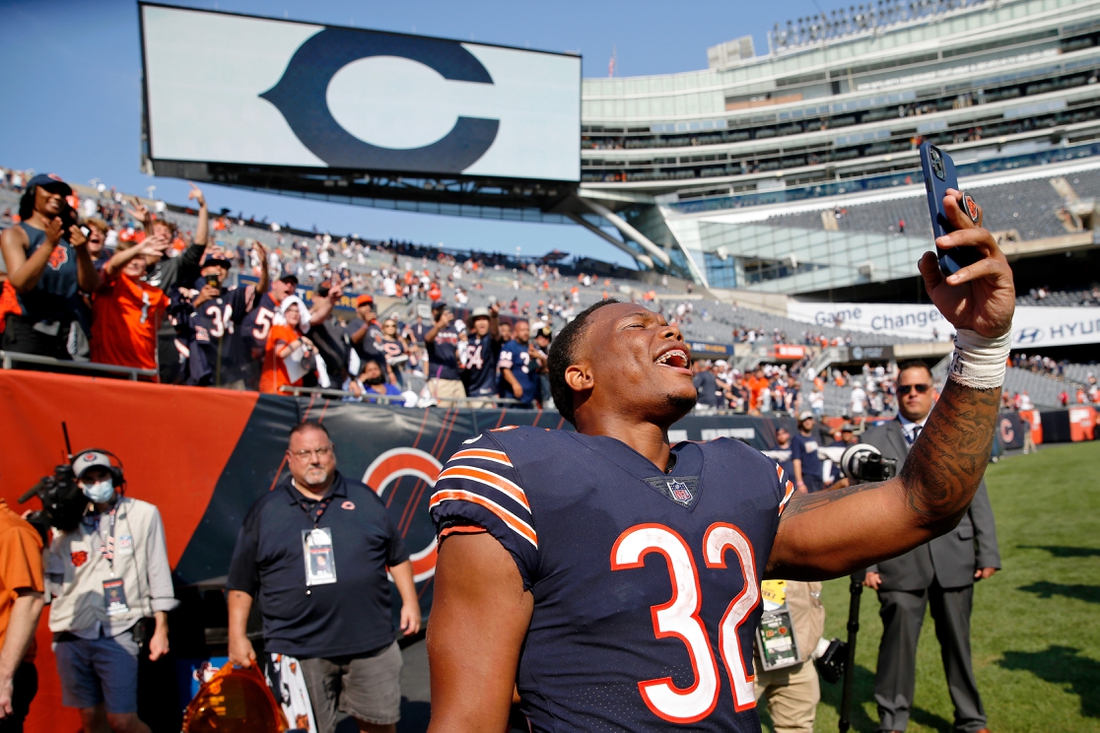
[8, 360]
[390, 399]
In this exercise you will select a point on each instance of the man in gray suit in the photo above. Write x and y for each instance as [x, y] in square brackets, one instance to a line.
[942, 572]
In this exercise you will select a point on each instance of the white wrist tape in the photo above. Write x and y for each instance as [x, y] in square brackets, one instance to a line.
[979, 362]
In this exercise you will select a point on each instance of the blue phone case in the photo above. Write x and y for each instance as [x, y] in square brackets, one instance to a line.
[939, 175]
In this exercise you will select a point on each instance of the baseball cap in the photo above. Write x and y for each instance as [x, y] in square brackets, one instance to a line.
[546, 332]
[364, 299]
[218, 261]
[51, 180]
[847, 428]
[805, 414]
[479, 313]
[289, 279]
[90, 459]
[438, 305]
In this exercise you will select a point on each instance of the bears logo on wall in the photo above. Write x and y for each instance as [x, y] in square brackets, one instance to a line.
[392, 465]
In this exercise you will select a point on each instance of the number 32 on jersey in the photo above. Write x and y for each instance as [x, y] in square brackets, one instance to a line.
[680, 617]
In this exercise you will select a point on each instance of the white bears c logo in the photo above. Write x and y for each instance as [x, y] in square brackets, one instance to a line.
[392, 465]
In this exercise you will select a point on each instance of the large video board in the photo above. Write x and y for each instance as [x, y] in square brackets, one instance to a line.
[223, 88]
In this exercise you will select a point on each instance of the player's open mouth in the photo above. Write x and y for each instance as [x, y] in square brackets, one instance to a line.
[677, 359]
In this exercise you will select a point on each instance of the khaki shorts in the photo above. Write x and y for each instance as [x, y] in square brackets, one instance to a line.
[441, 389]
[367, 688]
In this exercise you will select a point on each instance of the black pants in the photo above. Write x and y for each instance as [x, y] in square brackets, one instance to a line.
[25, 684]
[21, 337]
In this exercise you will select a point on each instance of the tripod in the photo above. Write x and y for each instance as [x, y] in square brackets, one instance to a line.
[855, 588]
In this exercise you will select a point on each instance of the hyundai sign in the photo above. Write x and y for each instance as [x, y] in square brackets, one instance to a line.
[224, 88]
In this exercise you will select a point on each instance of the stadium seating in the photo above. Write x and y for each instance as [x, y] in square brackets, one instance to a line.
[1027, 206]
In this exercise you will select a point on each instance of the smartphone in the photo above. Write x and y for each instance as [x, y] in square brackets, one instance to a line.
[939, 175]
[212, 281]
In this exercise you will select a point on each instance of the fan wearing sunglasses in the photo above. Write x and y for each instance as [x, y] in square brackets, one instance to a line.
[941, 573]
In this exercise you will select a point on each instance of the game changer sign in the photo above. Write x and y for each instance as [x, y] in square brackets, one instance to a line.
[237, 89]
[1031, 326]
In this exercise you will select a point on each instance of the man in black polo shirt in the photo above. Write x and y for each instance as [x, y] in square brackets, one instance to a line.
[316, 550]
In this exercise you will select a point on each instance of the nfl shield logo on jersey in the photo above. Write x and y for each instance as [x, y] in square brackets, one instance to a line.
[680, 491]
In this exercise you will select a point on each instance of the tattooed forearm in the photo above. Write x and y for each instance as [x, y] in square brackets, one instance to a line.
[800, 503]
[947, 462]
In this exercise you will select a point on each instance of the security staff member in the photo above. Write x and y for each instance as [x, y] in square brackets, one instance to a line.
[941, 572]
[315, 550]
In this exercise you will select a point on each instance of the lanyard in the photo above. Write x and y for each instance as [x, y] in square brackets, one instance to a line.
[314, 509]
[108, 548]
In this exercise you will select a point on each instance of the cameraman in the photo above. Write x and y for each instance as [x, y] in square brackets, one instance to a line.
[105, 577]
[941, 573]
[47, 262]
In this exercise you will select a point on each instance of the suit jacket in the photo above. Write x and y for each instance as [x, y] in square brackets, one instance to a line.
[951, 559]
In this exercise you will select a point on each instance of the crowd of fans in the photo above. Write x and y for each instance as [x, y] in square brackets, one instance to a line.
[123, 285]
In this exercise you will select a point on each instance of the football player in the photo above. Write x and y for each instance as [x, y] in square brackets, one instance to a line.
[614, 579]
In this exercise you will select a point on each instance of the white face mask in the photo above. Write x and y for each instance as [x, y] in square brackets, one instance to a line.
[99, 492]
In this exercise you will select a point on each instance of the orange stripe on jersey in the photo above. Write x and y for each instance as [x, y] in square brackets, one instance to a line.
[468, 529]
[496, 456]
[779, 471]
[786, 498]
[514, 523]
[489, 479]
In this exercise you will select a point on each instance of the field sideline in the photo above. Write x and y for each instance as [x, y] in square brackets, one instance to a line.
[1036, 624]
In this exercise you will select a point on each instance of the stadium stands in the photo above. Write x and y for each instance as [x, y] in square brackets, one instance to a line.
[1028, 206]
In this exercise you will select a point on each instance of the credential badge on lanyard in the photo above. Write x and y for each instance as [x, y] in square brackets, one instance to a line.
[319, 558]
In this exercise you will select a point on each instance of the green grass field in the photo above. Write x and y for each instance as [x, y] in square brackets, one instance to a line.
[1036, 624]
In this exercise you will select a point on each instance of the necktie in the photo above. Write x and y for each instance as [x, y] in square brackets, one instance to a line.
[911, 435]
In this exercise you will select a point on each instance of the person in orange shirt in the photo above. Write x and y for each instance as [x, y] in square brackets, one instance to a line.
[287, 335]
[126, 312]
[756, 382]
[21, 599]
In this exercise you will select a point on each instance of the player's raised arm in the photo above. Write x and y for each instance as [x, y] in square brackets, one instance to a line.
[831, 533]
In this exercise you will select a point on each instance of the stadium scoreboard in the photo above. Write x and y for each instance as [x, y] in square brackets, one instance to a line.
[234, 91]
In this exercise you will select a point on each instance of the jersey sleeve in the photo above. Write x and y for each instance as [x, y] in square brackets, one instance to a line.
[480, 490]
[786, 488]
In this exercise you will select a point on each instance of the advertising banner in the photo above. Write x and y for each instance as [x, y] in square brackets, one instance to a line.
[230, 88]
[1031, 326]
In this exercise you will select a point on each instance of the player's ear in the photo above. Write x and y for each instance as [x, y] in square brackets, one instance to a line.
[579, 377]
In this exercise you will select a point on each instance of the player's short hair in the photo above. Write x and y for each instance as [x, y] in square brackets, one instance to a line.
[562, 356]
[914, 364]
[308, 425]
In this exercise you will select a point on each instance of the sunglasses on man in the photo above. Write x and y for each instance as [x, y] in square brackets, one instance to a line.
[904, 389]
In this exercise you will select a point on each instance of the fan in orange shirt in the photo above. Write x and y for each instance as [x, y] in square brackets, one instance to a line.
[285, 337]
[126, 312]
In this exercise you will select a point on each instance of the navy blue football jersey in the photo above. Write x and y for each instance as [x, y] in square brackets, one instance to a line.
[515, 356]
[443, 354]
[479, 368]
[646, 584]
[218, 322]
[257, 325]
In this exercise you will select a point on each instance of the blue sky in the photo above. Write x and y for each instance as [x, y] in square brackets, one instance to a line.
[74, 89]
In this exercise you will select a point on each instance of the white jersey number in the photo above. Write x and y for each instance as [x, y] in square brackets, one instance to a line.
[680, 618]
